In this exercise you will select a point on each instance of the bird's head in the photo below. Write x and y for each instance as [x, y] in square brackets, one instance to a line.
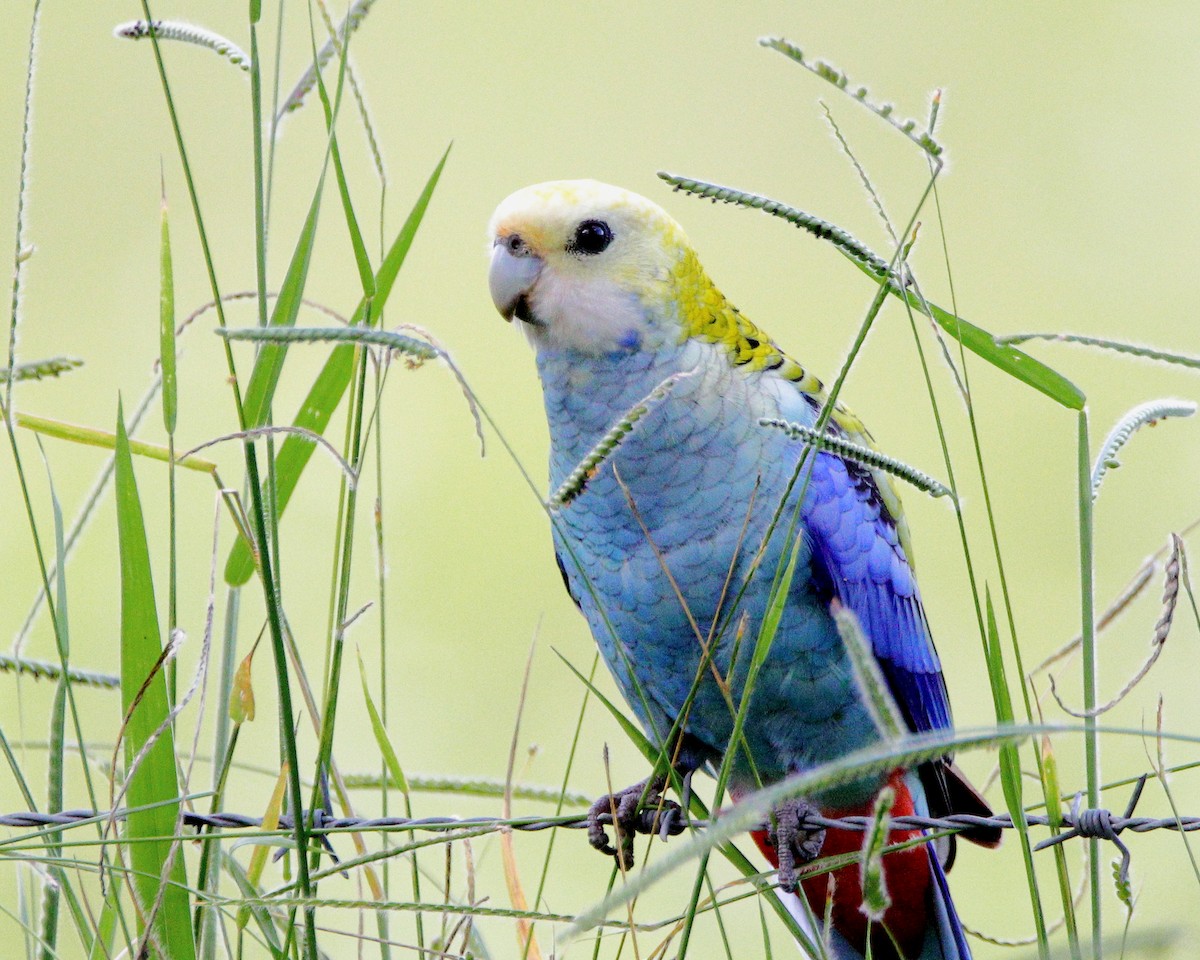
[583, 265]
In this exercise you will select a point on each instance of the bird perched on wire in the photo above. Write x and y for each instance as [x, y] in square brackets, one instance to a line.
[673, 544]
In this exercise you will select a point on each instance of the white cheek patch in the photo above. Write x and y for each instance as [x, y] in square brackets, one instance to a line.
[585, 314]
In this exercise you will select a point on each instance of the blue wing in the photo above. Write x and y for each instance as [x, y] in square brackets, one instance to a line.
[858, 556]
[857, 550]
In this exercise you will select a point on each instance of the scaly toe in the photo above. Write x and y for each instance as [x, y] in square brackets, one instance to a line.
[794, 842]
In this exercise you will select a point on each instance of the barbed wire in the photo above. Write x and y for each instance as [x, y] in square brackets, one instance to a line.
[1100, 823]
[1087, 823]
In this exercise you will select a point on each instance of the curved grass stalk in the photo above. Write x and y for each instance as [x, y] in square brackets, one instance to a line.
[271, 431]
[304, 86]
[47, 670]
[1147, 413]
[417, 350]
[822, 229]
[876, 898]
[354, 16]
[1161, 629]
[365, 335]
[187, 33]
[872, 193]
[868, 676]
[1117, 346]
[884, 111]
[862, 455]
[448, 360]
[1130, 592]
[578, 478]
[40, 369]
[472, 787]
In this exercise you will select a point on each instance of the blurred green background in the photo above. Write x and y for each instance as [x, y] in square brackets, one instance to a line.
[1070, 203]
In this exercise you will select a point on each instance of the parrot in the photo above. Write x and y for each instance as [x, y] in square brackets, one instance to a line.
[672, 544]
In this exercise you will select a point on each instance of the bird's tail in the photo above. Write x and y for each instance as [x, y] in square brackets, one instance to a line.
[920, 923]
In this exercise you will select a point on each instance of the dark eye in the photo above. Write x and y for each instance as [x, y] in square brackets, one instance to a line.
[591, 237]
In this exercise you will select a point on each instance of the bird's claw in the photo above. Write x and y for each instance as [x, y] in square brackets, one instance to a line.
[629, 816]
[795, 841]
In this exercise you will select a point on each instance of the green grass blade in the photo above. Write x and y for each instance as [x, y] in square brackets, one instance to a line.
[92, 437]
[262, 916]
[153, 785]
[166, 327]
[1091, 675]
[269, 364]
[365, 274]
[331, 383]
[390, 268]
[1012, 361]
[102, 943]
[52, 889]
[628, 727]
[1010, 769]
[395, 771]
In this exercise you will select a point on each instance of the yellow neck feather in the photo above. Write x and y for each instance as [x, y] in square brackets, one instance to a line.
[705, 314]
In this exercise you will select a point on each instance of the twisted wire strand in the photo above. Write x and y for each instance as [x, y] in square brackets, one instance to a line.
[1102, 824]
[1095, 823]
[1098, 823]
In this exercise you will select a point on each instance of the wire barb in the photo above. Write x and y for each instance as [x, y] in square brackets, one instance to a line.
[1100, 824]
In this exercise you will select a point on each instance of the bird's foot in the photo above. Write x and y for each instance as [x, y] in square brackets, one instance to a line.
[629, 816]
[796, 842]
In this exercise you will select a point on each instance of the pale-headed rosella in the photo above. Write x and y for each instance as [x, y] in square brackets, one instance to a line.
[670, 550]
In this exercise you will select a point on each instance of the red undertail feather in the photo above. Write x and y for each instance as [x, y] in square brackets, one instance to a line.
[906, 873]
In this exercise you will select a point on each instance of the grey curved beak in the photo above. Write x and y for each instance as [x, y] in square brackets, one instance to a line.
[511, 276]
